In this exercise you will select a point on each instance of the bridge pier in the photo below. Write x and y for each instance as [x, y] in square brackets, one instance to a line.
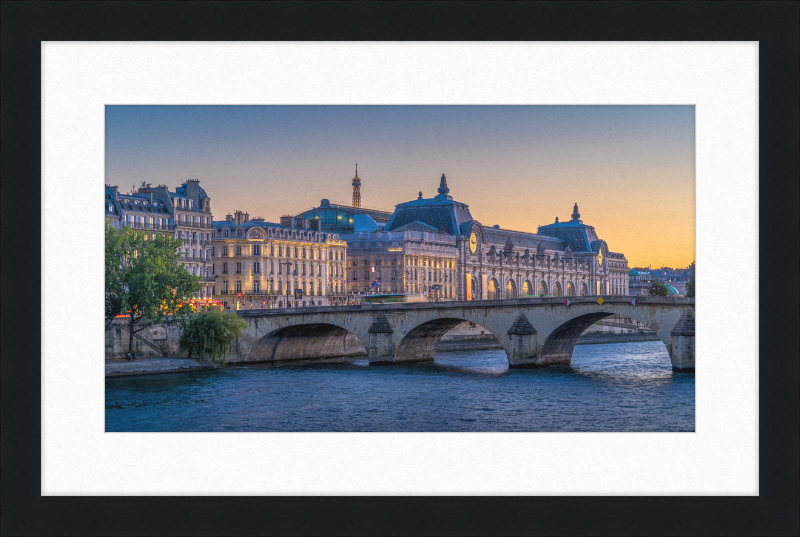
[682, 351]
[523, 352]
[381, 347]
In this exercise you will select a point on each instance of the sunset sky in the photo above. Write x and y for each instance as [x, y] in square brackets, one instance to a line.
[631, 169]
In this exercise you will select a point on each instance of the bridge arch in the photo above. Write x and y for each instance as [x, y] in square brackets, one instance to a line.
[305, 342]
[419, 344]
[560, 343]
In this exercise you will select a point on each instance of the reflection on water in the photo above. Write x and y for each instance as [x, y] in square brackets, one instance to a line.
[612, 387]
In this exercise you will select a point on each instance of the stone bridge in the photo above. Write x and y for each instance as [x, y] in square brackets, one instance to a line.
[535, 332]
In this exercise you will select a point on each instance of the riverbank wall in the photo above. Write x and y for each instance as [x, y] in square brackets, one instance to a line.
[150, 341]
[149, 366]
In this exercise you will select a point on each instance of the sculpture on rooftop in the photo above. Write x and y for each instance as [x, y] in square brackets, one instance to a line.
[443, 186]
[575, 214]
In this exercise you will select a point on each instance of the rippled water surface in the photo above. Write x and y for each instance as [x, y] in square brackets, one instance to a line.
[611, 387]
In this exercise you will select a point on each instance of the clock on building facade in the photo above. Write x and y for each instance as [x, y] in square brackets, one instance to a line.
[473, 242]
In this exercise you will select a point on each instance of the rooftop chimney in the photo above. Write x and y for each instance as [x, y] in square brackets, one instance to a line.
[193, 189]
[228, 218]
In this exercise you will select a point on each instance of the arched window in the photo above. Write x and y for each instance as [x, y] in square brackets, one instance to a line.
[510, 290]
[491, 291]
[542, 289]
[526, 289]
[584, 289]
[570, 289]
[557, 289]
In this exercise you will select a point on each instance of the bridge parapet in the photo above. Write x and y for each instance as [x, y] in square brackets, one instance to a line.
[503, 303]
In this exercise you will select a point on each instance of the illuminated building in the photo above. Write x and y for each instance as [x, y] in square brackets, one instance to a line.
[259, 264]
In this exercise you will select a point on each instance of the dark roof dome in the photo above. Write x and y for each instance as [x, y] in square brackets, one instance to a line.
[439, 212]
[574, 233]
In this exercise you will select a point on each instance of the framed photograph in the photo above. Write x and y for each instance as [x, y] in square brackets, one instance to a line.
[676, 136]
[488, 328]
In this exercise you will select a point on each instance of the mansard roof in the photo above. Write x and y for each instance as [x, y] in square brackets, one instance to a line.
[438, 212]
[521, 239]
[323, 234]
[579, 236]
[181, 190]
[141, 203]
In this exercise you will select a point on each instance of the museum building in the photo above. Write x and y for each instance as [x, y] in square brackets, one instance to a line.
[433, 246]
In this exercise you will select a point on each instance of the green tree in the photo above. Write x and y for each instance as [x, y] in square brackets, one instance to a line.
[690, 283]
[144, 278]
[116, 244]
[209, 334]
[658, 289]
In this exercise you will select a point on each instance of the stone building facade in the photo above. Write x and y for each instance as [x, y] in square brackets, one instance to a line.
[438, 239]
[258, 264]
[414, 259]
[184, 213]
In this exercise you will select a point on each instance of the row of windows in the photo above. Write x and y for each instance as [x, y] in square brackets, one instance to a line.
[187, 219]
[432, 276]
[148, 221]
[198, 272]
[193, 236]
[181, 203]
[195, 253]
[415, 262]
[307, 288]
[283, 234]
[298, 270]
[299, 253]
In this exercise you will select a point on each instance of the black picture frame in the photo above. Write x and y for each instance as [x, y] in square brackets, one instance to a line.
[773, 24]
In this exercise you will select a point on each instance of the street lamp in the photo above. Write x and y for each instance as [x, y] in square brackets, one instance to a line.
[271, 297]
[288, 264]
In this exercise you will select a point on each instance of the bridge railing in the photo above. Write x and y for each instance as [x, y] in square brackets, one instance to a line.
[510, 302]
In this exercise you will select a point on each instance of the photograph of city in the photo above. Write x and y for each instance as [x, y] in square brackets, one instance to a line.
[400, 268]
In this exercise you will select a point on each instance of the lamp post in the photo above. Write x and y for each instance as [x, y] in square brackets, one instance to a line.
[271, 297]
[287, 264]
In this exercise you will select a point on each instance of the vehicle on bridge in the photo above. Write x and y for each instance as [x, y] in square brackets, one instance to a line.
[392, 297]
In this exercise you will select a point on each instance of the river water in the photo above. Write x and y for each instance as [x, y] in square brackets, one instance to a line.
[610, 387]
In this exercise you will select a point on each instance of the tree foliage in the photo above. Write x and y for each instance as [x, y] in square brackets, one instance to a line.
[209, 334]
[144, 278]
[690, 283]
[658, 289]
